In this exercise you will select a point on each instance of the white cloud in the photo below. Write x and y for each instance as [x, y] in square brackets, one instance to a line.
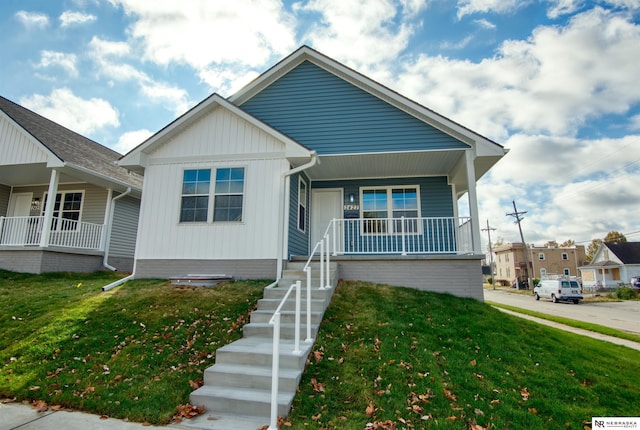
[467, 7]
[559, 8]
[59, 59]
[456, 45]
[70, 17]
[363, 37]
[201, 32]
[634, 122]
[109, 58]
[553, 82]
[83, 116]
[628, 4]
[32, 19]
[571, 188]
[485, 24]
[131, 139]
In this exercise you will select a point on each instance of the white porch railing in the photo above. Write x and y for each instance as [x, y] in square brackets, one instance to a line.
[66, 233]
[323, 246]
[445, 235]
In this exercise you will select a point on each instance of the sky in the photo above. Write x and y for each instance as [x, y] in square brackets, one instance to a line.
[557, 82]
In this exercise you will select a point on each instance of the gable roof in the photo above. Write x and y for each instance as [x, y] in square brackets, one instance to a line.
[484, 146]
[136, 158]
[70, 148]
[627, 252]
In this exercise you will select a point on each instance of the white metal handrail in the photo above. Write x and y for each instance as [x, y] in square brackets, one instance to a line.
[275, 320]
[403, 236]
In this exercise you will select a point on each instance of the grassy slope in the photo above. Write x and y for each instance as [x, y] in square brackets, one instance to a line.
[130, 352]
[426, 360]
[416, 359]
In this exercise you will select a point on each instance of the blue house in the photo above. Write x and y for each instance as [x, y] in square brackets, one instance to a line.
[312, 149]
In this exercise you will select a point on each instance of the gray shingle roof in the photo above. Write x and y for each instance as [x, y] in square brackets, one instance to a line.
[69, 146]
[627, 252]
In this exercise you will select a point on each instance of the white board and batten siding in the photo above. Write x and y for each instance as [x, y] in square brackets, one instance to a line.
[17, 147]
[218, 140]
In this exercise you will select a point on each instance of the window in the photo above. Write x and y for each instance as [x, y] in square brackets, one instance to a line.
[229, 195]
[66, 210]
[195, 195]
[541, 256]
[567, 272]
[302, 205]
[381, 204]
[543, 272]
[565, 256]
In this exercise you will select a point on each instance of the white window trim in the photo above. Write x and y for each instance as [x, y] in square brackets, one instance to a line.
[212, 195]
[304, 204]
[541, 256]
[565, 256]
[390, 230]
[62, 194]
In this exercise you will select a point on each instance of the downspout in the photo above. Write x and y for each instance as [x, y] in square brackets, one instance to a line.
[285, 200]
[107, 234]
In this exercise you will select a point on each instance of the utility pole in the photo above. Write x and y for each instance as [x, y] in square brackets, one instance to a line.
[517, 214]
[489, 230]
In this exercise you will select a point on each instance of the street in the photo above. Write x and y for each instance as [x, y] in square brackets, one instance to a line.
[623, 316]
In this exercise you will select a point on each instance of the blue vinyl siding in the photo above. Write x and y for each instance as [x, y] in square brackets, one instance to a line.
[298, 240]
[435, 194]
[435, 201]
[332, 116]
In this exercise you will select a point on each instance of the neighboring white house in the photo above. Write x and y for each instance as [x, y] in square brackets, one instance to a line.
[613, 264]
[92, 223]
[240, 186]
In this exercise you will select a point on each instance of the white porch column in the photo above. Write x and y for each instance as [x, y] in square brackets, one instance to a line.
[473, 201]
[48, 211]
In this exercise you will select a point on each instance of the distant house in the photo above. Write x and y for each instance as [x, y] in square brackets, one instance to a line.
[92, 222]
[614, 263]
[243, 185]
[544, 261]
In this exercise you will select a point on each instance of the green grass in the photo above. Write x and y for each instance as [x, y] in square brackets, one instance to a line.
[416, 359]
[132, 352]
[424, 360]
[572, 323]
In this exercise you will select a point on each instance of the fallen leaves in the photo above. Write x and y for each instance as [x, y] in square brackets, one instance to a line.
[370, 410]
[187, 411]
[525, 394]
[317, 386]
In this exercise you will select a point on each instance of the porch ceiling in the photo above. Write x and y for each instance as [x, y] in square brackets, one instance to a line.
[355, 166]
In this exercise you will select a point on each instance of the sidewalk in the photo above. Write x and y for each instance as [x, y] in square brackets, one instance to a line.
[19, 416]
[616, 340]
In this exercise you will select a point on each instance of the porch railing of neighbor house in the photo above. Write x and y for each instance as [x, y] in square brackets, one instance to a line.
[402, 236]
[66, 233]
[323, 248]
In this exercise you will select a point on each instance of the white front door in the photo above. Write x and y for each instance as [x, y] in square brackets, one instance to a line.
[20, 204]
[16, 230]
[326, 204]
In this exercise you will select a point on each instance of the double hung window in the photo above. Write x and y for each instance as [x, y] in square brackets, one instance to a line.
[66, 210]
[203, 201]
[384, 207]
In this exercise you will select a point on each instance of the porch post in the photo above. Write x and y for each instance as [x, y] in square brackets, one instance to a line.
[48, 211]
[473, 201]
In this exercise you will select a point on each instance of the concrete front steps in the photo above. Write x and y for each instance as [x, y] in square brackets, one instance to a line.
[239, 383]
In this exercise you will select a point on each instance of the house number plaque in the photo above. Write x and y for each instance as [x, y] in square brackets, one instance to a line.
[351, 207]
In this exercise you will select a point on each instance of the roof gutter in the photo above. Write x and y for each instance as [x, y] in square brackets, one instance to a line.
[285, 204]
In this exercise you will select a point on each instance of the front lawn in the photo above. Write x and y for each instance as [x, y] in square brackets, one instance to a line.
[134, 352]
[391, 358]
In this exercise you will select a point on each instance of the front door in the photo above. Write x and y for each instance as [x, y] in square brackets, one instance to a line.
[16, 230]
[326, 204]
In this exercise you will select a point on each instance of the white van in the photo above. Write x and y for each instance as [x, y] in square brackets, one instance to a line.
[565, 290]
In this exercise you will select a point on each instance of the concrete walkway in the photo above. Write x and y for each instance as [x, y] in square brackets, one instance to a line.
[19, 416]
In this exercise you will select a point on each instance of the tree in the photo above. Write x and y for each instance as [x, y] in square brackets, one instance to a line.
[615, 236]
[567, 243]
[592, 248]
[551, 244]
[612, 236]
